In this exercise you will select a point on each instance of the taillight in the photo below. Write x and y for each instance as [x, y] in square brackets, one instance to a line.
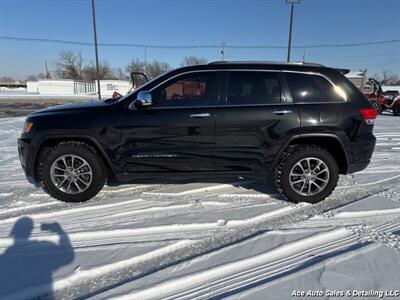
[368, 114]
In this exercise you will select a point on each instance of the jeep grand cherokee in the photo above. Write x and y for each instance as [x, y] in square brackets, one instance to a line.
[304, 124]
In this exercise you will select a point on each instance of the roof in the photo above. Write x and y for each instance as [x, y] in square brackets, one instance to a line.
[248, 65]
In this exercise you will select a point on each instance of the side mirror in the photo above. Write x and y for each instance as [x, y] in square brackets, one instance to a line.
[143, 100]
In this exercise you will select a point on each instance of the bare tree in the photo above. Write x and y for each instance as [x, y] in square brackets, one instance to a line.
[193, 60]
[393, 80]
[156, 68]
[152, 69]
[6, 78]
[121, 75]
[42, 76]
[89, 71]
[137, 65]
[69, 65]
[31, 78]
[388, 78]
[37, 77]
[385, 76]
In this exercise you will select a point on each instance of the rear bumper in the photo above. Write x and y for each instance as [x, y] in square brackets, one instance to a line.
[360, 152]
[25, 157]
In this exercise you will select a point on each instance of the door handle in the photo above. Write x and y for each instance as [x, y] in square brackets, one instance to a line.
[282, 112]
[200, 115]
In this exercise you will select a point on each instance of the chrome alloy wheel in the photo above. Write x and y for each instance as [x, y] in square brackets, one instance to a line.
[309, 176]
[71, 174]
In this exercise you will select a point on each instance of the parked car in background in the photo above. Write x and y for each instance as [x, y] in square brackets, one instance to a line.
[391, 94]
[392, 101]
[301, 124]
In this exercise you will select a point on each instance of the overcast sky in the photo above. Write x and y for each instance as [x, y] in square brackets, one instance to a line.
[198, 22]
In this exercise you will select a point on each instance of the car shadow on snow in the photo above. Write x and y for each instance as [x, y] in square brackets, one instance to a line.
[27, 266]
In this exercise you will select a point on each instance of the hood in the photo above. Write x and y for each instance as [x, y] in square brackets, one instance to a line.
[72, 106]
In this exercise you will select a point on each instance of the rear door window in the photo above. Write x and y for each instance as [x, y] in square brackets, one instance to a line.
[253, 87]
[312, 88]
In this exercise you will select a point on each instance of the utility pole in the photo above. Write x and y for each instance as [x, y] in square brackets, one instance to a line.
[95, 48]
[46, 71]
[292, 2]
[145, 60]
[223, 51]
[304, 56]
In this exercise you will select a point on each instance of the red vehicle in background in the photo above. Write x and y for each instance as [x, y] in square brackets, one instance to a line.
[388, 100]
[392, 101]
[376, 98]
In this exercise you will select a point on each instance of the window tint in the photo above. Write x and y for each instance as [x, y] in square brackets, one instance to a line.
[311, 88]
[246, 87]
[194, 89]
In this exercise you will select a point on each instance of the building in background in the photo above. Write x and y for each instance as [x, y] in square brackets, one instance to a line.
[359, 79]
[67, 87]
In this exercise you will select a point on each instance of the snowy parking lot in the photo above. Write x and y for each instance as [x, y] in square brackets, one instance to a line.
[233, 238]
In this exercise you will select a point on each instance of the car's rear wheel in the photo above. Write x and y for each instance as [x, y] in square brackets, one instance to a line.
[396, 111]
[306, 173]
[71, 171]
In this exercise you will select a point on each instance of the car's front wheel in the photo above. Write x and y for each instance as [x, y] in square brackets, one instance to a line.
[71, 171]
[306, 173]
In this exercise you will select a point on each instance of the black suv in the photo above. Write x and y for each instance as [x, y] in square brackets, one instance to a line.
[304, 123]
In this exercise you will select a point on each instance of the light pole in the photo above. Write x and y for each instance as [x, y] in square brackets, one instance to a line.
[95, 47]
[292, 2]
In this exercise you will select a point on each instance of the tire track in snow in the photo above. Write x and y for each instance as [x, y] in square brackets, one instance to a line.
[96, 238]
[149, 208]
[76, 210]
[67, 207]
[350, 218]
[88, 282]
[79, 219]
[264, 267]
[111, 194]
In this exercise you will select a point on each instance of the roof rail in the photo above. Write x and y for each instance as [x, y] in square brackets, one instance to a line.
[267, 62]
[343, 71]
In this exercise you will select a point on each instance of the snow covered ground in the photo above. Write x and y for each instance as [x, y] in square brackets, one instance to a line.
[188, 240]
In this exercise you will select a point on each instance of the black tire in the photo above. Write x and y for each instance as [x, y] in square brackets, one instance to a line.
[378, 107]
[82, 150]
[396, 111]
[291, 156]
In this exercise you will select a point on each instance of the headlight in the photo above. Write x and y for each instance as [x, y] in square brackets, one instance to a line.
[27, 127]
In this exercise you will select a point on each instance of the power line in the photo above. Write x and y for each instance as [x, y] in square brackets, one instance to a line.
[134, 45]
[381, 54]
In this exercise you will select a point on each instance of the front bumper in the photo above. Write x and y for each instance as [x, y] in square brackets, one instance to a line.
[25, 157]
[360, 152]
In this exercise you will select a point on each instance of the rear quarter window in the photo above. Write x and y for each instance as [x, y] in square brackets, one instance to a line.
[311, 88]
